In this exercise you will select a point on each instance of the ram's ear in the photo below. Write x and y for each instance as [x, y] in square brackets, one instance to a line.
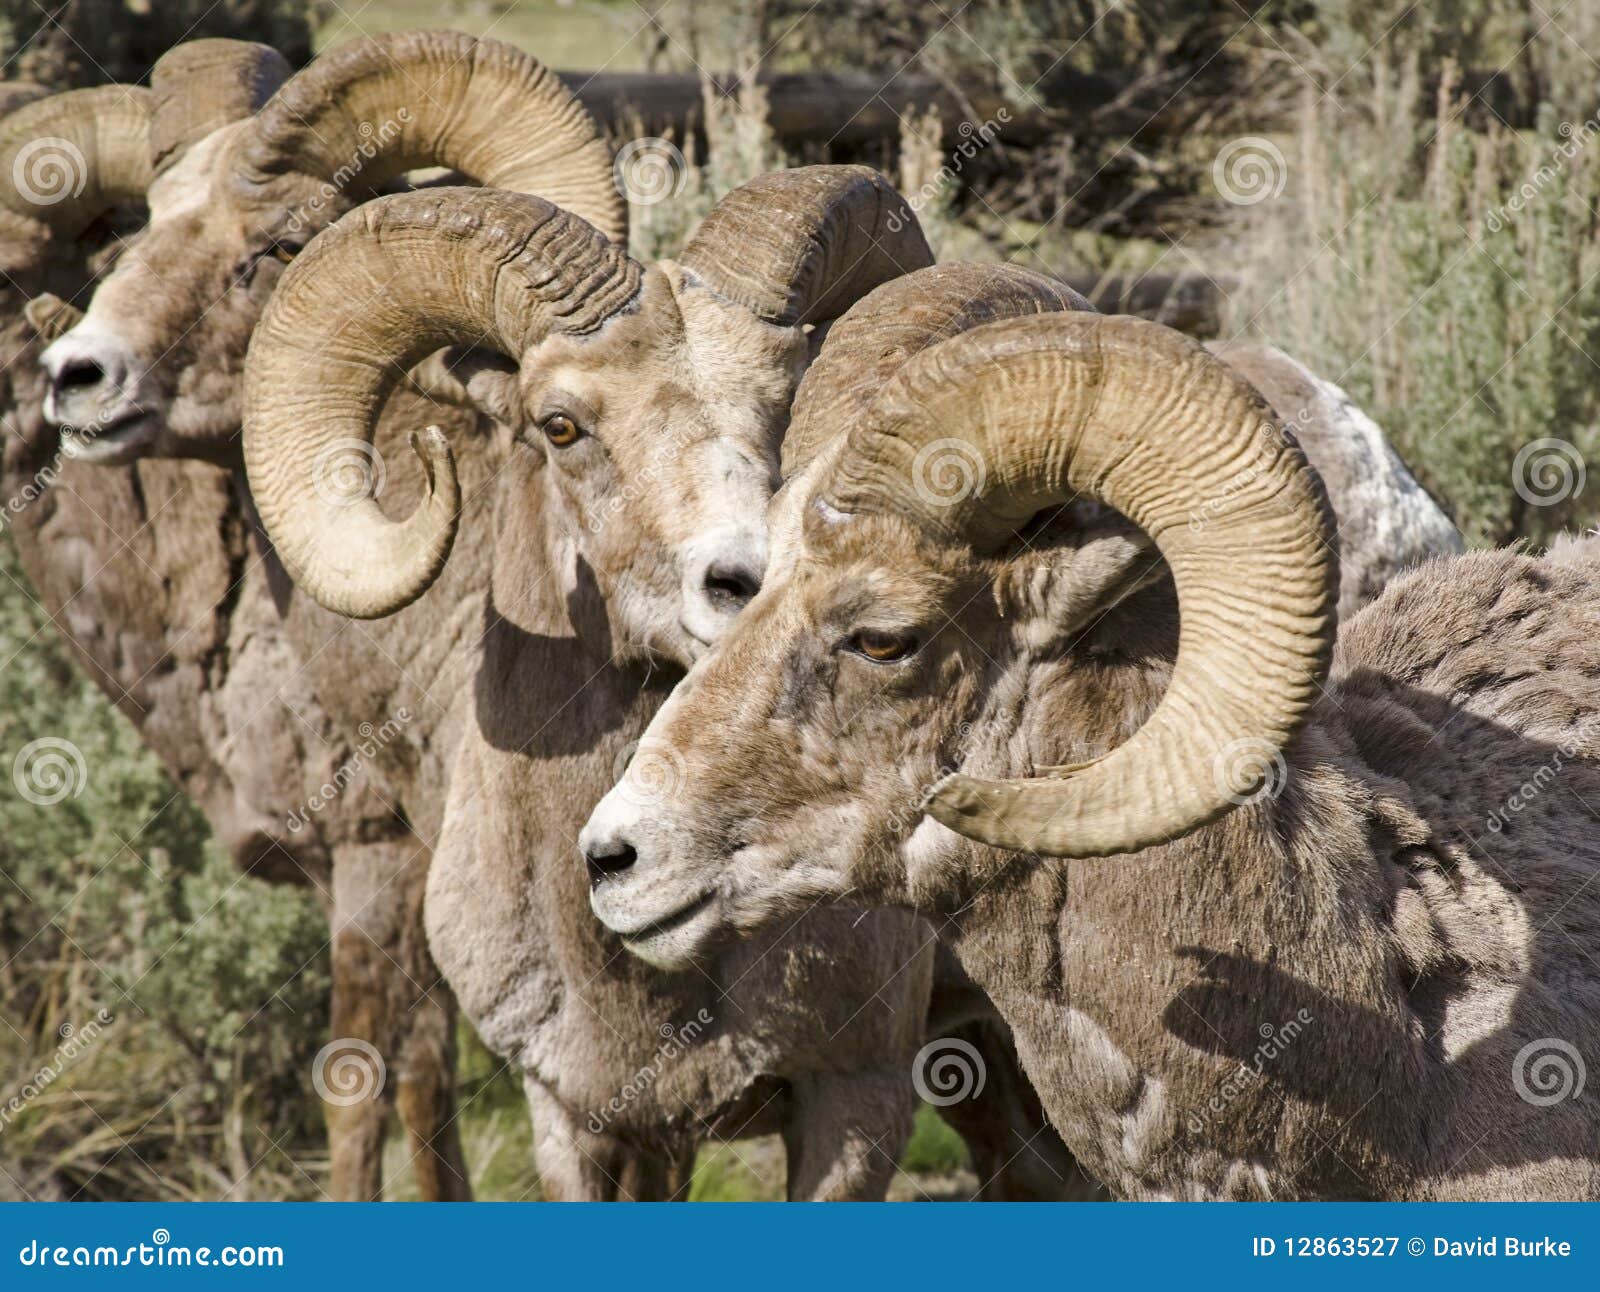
[816, 335]
[50, 316]
[1072, 575]
[471, 377]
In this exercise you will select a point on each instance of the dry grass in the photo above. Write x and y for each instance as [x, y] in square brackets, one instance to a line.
[1396, 265]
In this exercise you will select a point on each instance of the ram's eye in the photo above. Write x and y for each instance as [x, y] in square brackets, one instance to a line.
[882, 648]
[561, 430]
[285, 251]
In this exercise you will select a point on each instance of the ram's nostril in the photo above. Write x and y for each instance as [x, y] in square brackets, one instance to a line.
[78, 374]
[609, 859]
[731, 585]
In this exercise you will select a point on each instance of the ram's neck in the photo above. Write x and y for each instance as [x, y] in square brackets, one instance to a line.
[1202, 1017]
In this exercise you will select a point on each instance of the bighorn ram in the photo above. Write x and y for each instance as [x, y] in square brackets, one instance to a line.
[714, 365]
[1325, 936]
[647, 403]
[154, 575]
[145, 372]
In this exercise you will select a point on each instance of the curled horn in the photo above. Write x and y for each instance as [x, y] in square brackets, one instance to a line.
[892, 324]
[383, 105]
[202, 85]
[1144, 420]
[802, 246]
[397, 279]
[67, 159]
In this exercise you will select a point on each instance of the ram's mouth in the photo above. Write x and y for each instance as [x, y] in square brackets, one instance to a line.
[673, 941]
[113, 441]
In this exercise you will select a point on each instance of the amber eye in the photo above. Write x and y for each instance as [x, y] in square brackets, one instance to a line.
[883, 648]
[561, 430]
[285, 251]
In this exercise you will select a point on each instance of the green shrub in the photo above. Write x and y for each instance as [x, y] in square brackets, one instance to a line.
[1447, 278]
[158, 1011]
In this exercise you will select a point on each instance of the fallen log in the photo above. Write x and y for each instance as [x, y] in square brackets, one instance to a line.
[1190, 302]
[852, 111]
[848, 111]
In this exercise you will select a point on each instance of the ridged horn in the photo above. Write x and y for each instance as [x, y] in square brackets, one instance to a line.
[67, 159]
[383, 105]
[1144, 420]
[802, 246]
[393, 281]
[202, 85]
[896, 321]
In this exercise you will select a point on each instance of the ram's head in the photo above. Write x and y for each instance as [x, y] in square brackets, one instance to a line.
[249, 164]
[67, 161]
[647, 401]
[968, 614]
[73, 172]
